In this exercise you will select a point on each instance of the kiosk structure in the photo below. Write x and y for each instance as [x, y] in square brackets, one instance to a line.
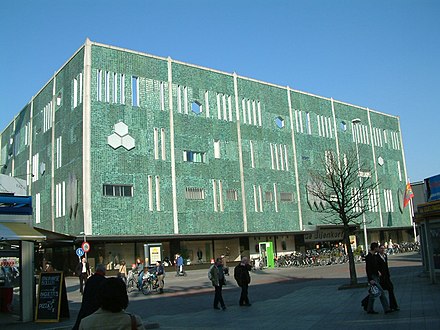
[17, 236]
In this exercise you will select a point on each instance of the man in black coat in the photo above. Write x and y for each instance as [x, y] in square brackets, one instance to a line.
[385, 278]
[90, 302]
[82, 270]
[373, 274]
[241, 275]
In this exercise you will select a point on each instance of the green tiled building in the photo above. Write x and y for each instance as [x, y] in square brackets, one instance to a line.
[128, 148]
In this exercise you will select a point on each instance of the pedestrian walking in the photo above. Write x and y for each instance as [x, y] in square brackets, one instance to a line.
[179, 264]
[241, 275]
[90, 302]
[217, 277]
[122, 273]
[385, 278]
[82, 270]
[373, 274]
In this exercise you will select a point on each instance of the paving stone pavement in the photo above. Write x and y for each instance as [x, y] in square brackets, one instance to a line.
[285, 298]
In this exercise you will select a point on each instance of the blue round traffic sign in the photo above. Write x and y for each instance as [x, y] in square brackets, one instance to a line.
[79, 252]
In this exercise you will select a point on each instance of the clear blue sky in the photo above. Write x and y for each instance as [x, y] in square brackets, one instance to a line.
[380, 54]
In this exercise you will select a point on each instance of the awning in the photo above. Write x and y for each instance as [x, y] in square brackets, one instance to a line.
[18, 231]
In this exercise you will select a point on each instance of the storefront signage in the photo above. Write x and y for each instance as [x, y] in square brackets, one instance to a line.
[153, 253]
[324, 235]
[52, 298]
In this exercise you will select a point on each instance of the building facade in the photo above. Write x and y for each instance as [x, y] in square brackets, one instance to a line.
[122, 148]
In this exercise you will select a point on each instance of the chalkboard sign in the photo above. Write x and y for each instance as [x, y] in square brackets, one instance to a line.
[52, 298]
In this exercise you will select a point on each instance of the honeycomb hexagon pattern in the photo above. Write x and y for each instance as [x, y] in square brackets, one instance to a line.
[121, 129]
[114, 141]
[128, 142]
[120, 137]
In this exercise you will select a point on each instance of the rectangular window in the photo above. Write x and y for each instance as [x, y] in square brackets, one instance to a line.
[272, 159]
[254, 112]
[38, 208]
[330, 127]
[243, 106]
[122, 88]
[286, 158]
[60, 199]
[157, 193]
[156, 143]
[399, 171]
[296, 121]
[260, 198]
[162, 96]
[75, 93]
[179, 99]
[281, 157]
[107, 86]
[251, 147]
[259, 114]
[231, 195]
[308, 126]
[214, 194]
[220, 195]
[80, 88]
[217, 153]
[268, 196]
[99, 85]
[319, 124]
[301, 122]
[115, 88]
[26, 134]
[150, 193]
[35, 165]
[255, 198]
[162, 143]
[286, 197]
[193, 156]
[194, 193]
[276, 157]
[219, 112]
[225, 112]
[117, 190]
[230, 107]
[135, 91]
[372, 200]
[47, 117]
[275, 196]
[59, 152]
[249, 111]
[207, 104]
[185, 100]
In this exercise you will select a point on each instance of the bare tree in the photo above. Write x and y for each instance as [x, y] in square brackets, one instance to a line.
[343, 190]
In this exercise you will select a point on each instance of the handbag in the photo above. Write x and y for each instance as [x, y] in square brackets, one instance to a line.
[374, 291]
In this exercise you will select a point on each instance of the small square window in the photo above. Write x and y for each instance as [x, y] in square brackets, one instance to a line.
[196, 107]
[279, 121]
[343, 126]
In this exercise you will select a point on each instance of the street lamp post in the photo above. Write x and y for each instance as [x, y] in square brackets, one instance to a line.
[355, 122]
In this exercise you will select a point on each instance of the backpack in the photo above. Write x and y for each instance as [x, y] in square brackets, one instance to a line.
[210, 272]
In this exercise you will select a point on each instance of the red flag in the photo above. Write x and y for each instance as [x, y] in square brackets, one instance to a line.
[408, 195]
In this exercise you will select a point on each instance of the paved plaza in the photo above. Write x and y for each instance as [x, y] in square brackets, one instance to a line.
[287, 298]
